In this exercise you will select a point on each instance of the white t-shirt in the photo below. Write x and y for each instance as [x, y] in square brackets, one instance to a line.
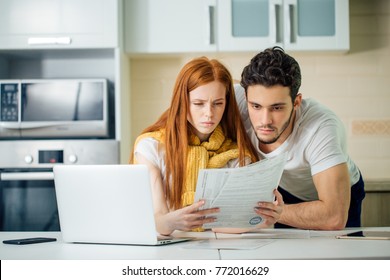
[317, 142]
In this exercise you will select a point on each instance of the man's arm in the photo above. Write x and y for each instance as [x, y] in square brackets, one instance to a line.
[330, 211]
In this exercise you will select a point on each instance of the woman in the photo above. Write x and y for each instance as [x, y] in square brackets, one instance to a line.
[201, 129]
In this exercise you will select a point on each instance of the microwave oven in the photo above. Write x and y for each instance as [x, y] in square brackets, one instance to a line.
[48, 108]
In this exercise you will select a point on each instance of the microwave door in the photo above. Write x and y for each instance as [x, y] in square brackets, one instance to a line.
[57, 109]
[48, 108]
[50, 102]
[91, 102]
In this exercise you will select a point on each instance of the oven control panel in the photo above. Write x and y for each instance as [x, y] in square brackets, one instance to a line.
[47, 153]
[51, 156]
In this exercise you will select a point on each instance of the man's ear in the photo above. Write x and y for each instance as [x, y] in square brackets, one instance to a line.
[298, 100]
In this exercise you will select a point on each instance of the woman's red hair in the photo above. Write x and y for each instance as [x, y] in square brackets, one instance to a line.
[197, 72]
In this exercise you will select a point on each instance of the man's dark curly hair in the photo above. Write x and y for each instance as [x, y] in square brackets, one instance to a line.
[273, 67]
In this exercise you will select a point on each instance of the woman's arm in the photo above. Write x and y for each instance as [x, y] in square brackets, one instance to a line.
[167, 221]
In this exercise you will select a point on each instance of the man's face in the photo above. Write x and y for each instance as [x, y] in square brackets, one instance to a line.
[271, 112]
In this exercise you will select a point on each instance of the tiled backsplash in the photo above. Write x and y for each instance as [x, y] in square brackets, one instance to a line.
[370, 128]
[356, 85]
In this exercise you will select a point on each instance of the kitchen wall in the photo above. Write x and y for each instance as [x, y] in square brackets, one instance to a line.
[356, 85]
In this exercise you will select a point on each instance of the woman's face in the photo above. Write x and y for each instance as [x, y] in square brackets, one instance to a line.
[206, 107]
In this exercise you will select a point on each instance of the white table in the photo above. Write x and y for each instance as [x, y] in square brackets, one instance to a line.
[309, 245]
[60, 250]
[282, 244]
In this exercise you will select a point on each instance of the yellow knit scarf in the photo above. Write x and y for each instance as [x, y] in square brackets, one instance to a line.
[214, 153]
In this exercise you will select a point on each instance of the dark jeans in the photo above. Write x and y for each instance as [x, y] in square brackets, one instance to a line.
[355, 207]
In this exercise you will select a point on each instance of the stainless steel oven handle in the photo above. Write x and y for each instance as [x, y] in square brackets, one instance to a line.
[25, 176]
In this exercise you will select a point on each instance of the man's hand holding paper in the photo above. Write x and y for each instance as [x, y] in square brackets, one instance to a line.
[237, 191]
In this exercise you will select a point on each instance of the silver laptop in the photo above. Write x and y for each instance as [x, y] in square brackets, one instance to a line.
[106, 204]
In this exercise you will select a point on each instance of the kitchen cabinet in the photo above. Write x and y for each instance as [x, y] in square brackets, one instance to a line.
[26, 24]
[176, 26]
[169, 26]
[297, 25]
[376, 204]
[67, 39]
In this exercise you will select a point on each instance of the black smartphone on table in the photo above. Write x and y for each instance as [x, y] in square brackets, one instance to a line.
[363, 234]
[31, 240]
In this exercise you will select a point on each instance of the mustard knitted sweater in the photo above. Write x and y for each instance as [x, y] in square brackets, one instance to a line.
[214, 153]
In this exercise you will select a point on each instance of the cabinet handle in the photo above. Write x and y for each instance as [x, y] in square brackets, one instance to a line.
[49, 41]
[210, 26]
[24, 176]
[290, 29]
[276, 28]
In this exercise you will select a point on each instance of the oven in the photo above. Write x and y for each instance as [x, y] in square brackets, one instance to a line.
[27, 191]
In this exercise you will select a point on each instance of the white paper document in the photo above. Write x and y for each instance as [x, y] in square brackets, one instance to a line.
[236, 191]
[276, 233]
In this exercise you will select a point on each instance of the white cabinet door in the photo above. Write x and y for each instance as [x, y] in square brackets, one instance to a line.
[316, 24]
[249, 25]
[58, 23]
[169, 26]
[253, 25]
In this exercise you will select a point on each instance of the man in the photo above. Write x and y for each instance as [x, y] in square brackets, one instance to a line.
[321, 186]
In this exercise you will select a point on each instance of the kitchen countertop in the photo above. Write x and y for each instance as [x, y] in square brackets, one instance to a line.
[380, 185]
[267, 244]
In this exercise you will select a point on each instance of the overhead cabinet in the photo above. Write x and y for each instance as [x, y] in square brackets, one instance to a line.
[171, 26]
[293, 24]
[64, 39]
[26, 24]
